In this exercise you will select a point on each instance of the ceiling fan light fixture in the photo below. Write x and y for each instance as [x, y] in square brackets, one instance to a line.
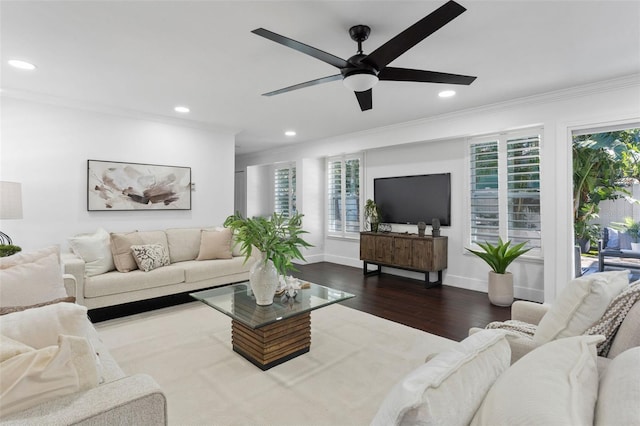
[447, 93]
[360, 81]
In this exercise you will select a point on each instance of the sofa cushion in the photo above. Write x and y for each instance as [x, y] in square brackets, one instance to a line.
[215, 245]
[200, 270]
[95, 250]
[36, 376]
[116, 282]
[150, 256]
[555, 384]
[619, 391]
[582, 302]
[40, 327]
[627, 335]
[449, 388]
[121, 250]
[31, 279]
[184, 243]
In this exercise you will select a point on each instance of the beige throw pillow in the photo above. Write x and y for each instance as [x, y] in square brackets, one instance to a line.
[95, 250]
[555, 384]
[449, 388]
[184, 243]
[582, 302]
[215, 245]
[121, 250]
[32, 280]
[619, 391]
[150, 256]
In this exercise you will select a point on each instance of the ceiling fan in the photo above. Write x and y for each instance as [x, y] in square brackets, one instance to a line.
[361, 72]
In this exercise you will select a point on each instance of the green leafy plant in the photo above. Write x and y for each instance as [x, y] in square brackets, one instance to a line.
[500, 256]
[278, 237]
[8, 249]
[630, 226]
[372, 214]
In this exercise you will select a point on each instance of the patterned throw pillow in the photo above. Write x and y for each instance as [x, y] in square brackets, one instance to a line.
[150, 256]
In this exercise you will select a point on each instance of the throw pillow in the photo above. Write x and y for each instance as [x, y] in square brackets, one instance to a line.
[613, 239]
[428, 395]
[555, 384]
[27, 257]
[36, 376]
[95, 250]
[11, 309]
[215, 245]
[150, 256]
[582, 302]
[29, 283]
[40, 327]
[619, 391]
[236, 246]
[184, 243]
[154, 237]
[121, 250]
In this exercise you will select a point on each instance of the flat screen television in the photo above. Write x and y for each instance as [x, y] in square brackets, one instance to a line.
[413, 199]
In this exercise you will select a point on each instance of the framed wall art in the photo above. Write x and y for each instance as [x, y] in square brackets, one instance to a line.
[133, 186]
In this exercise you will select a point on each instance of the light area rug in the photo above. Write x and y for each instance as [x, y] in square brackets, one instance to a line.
[355, 359]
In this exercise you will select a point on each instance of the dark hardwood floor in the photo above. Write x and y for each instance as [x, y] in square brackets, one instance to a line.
[445, 311]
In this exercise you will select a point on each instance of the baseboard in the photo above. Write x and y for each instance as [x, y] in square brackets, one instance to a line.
[341, 260]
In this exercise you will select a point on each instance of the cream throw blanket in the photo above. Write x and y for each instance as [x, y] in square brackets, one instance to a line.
[606, 326]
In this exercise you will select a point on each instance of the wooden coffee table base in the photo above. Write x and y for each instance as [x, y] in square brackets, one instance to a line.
[275, 343]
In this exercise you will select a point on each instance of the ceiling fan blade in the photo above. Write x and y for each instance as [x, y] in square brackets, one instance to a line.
[385, 54]
[365, 99]
[303, 48]
[305, 84]
[422, 76]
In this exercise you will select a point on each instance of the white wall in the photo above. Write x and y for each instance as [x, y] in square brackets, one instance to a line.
[46, 147]
[559, 112]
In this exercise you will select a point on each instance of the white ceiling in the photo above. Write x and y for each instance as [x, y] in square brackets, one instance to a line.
[149, 56]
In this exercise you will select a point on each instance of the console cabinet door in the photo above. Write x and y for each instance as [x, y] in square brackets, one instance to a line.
[367, 247]
[420, 259]
[402, 252]
[384, 249]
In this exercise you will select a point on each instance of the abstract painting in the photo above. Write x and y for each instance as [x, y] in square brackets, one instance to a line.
[133, 186]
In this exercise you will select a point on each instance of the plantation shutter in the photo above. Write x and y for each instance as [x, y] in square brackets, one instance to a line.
[334, 199]
[343, 195]
[485, 206]
[523, 193]
[284, 191]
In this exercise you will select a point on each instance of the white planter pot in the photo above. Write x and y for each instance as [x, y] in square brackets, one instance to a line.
[501, 288]
[264, 281]
[635, 246]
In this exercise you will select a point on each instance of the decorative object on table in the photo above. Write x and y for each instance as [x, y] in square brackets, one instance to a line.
[632, 229]
[499, 257]
[435, 227]
[372, 214]
[10, 205]
[133, 186]
[421, 227]
[278, 239]
[384, 227]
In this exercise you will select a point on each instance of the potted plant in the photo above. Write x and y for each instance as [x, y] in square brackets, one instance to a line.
[9, 249]
[632, 229]
[372, 214]
[278, 240]
[499, 257]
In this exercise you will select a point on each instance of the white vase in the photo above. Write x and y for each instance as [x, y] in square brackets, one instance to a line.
[264, 281]
[501, 288]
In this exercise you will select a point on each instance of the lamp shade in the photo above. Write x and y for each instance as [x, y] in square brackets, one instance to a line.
[360, 82]
[10, 200]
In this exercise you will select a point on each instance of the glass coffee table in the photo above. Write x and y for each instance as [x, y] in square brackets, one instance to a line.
[270, 335]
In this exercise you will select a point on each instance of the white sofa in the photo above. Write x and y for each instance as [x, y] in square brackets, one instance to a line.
[98, 284]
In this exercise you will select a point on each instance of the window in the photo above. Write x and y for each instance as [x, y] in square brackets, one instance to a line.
[284, 190]
[505, 188]
[343, 195]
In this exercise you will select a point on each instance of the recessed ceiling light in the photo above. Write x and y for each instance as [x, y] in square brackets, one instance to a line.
[447, 93]
[290, 133]
[23, 65]
[181, 109]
